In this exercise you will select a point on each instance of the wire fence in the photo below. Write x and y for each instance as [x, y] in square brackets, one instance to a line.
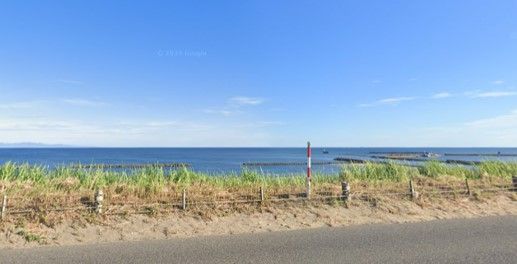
[112, 204]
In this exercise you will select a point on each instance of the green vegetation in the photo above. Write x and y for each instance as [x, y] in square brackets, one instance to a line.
[378, 172]
[38, 180]
[30, 237]
[27, 179]
[396, 172]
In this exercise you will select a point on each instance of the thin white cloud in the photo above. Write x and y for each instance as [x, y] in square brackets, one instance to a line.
[235, 105]
[388, 101]
[223, 112]
[441, 95]
[492, 94]
[162, 133]
[41, 103]
[67, 81]
[498, 82]
[19, 105]
[243, 100]
[495, 131]
[83, 102]
[261, 124]
[502, 121]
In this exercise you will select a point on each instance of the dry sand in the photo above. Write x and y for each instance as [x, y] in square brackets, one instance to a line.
[266, 218]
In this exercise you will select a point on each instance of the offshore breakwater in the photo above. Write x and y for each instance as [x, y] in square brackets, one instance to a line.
[227, 160]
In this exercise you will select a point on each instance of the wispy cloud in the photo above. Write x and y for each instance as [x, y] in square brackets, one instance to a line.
[67, 81]
[498, 82]
[388, 101]
[441, 95]
[492, 94]
[235, 105]
[501, 121]
[224, 112]
[19, 105]
[84, 102]
[132, 132]
[243, 100]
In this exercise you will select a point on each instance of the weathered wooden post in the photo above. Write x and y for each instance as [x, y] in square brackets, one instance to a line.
[345, 191]
[469, 193]
[261, 194]
[308, 179]
[514, 183]
[414, 194]
[184, 199]
[4, 207]
[99, 198]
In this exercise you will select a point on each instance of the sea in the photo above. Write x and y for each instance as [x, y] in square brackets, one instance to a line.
[230, 160]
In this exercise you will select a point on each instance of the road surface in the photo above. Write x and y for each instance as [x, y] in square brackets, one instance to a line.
[482, 240]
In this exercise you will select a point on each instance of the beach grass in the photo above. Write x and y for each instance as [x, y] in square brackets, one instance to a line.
[30, 180]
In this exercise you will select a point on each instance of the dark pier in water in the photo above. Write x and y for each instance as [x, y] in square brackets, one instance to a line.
[397, 153]
[351, 160]
[481, 154]
[384, 159]
[131, 166]
[463, 162]
[289, 163]
[398, 158]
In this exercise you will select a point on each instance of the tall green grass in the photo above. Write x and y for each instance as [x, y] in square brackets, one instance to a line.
[391, 171]
[154, 178]
[497, 168]
[436, 169]
[396, 172]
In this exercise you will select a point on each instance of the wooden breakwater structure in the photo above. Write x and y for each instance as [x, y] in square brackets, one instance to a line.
[251, 164]
[481, 154]
[385, 159]
[463, 162]
[398, 152]
[408, 153]
[399, 158]
[130, 165]
[364, 161]
[352, 160]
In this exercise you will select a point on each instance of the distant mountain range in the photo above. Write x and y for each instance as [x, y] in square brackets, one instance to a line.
[31, 145]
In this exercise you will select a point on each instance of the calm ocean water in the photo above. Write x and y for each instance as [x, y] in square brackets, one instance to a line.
[220, 160]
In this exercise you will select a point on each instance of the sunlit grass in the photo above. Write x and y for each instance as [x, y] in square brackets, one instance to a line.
[39, 180]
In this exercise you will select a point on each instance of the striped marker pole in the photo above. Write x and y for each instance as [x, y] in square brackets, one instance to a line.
[308, 179]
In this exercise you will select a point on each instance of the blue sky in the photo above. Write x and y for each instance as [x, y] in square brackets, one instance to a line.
[259, 73]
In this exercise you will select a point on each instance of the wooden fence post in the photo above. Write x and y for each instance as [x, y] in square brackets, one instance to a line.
[469, 193]
[99, 198]
[345, 191]
[261, 194]
[514, 183]
[184, 200]
[4, 207]
[414, 195]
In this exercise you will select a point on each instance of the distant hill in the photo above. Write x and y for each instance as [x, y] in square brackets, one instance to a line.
[31, 145]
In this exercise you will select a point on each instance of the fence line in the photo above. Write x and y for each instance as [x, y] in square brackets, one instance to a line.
[97, 205]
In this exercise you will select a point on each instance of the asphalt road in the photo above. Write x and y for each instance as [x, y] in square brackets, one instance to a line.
[483, 240]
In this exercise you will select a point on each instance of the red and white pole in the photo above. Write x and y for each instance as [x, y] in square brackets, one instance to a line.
[308, 180]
